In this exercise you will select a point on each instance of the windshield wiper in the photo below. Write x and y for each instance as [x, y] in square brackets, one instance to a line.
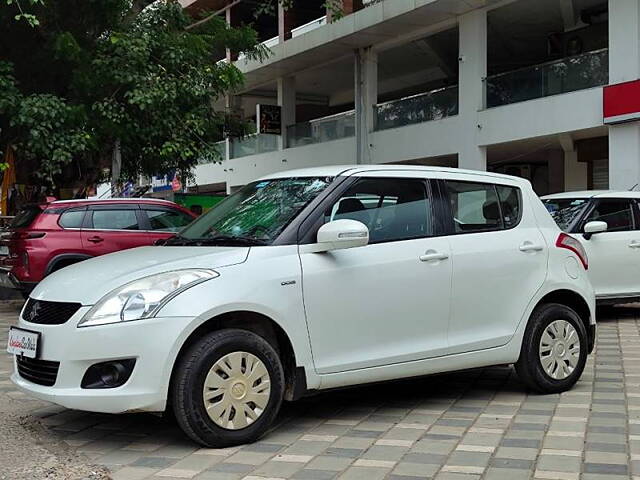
[211, 241]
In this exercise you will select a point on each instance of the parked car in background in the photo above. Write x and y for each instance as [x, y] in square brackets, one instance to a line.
[406, 272]
[46, 237]
[607, 223]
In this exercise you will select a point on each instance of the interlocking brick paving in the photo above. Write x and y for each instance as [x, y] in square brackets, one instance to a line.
[478, 424]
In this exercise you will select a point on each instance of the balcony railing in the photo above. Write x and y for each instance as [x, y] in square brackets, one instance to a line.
[220, 148]
[334, 127]
[569, 74]
[253, 145]
[424, 107]
[307, 27]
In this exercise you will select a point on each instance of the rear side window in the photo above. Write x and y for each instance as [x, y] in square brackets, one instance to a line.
[167, 220]
[393, 209]
[25, 217]
[71, 219]
[115, 220]
[483, 207]
[616, 212]
[475, 207]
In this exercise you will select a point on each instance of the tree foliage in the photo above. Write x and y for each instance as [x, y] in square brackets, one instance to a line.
[78, 77]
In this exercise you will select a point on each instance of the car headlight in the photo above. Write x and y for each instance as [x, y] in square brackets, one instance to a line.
[144, 297]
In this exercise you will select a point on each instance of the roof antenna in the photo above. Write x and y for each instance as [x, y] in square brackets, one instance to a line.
[634, 187]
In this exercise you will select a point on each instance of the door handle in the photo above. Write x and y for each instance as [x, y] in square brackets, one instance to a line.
[634, 244]
[95, 239]
[431, 255]
[530, 247]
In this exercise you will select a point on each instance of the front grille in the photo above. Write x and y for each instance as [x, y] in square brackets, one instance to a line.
[48, 313]
[42, 372]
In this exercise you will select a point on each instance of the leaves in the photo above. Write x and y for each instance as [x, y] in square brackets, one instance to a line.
[98, 70]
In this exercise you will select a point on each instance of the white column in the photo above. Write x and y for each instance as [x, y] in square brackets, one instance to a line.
[366, 98]
[287, 102]
[473, 70]
[575, 172]
[624, 66]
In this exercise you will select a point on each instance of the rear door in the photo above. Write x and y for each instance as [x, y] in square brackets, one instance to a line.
[163, 222]
[499, 261]
[614, 255]
[110, 228]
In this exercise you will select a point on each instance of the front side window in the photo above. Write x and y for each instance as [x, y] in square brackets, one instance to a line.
[167, 220]
[392, 209]
[616, 212]
[566, 211]
[115, 220]
[475, 207]
[257, 214]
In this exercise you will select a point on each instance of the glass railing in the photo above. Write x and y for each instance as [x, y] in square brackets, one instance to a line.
[569, 74]
[307, 27]
[334, 127]
[253, 145]
[424, 107]
[220, 148]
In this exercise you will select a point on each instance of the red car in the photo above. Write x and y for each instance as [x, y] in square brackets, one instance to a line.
[47, 237]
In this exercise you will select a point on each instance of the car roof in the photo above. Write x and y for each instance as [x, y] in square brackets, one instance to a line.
[115, 201]
[592, 194]
[347, 170]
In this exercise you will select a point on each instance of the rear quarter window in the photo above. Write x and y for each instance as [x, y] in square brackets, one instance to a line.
[71, 219]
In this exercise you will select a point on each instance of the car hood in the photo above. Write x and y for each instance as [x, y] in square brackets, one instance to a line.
[88, 281]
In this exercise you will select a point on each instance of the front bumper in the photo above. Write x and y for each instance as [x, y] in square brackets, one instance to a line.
[154, 344]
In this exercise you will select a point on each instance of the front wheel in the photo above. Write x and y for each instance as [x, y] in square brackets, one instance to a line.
[554, 349]
[228, 388]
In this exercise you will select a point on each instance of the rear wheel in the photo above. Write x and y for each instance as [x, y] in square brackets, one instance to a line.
[554, 349]
[228, 388]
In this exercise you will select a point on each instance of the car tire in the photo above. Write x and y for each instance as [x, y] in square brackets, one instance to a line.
[227, 388]
[554, 349]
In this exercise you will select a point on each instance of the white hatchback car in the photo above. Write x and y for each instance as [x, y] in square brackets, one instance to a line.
[310, 280]
[608, 225]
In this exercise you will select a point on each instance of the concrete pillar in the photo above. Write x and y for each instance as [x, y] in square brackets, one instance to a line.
[555, 164]
[366, 99]
[287, 102]
[473, 70]
[285, 22]
[624, 66]
[575, 172]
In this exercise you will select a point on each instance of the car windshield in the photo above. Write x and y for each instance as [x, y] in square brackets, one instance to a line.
[255, 215]
[565, 210]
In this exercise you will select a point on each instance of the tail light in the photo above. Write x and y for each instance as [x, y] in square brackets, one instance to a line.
[570, 243]
[21, 236]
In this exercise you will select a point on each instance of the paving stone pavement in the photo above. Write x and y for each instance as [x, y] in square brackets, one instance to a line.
[478, 424]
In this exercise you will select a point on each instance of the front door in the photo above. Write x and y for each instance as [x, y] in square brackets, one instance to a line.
[614, 255]
[387, 302]
[500, 262]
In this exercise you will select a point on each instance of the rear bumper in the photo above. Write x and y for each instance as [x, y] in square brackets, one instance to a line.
[9, 280]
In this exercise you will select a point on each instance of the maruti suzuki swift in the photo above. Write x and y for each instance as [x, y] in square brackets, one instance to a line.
[310, 280]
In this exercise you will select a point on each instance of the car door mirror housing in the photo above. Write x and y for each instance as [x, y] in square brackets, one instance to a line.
[339, 235]
[591, 228]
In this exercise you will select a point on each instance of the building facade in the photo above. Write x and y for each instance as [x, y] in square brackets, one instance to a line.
[514, 86]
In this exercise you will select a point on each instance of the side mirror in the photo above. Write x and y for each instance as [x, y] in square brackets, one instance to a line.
[340, 234]
[591, 228]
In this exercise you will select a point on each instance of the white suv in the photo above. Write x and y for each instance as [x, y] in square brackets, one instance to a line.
[607, 223]
[310, 280]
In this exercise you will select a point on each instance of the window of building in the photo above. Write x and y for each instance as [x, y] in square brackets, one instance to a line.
[392, 209]
[115, 220]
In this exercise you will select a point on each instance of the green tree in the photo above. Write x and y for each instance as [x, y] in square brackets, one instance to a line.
[82, 80]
